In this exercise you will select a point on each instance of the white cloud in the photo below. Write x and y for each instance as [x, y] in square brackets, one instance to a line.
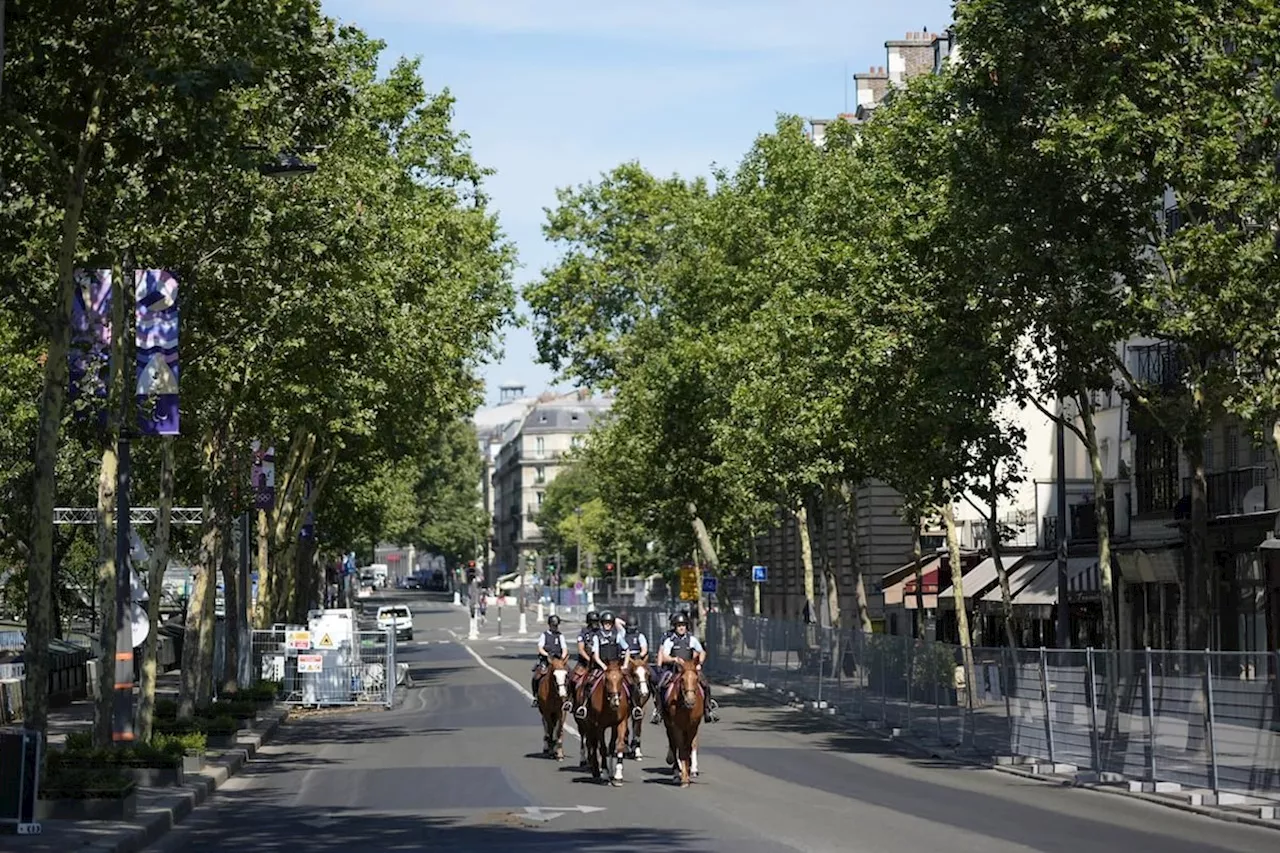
[742, 25]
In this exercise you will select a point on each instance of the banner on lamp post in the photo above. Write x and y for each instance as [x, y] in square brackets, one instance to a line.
[90, 352]
[157, 358]
[264, 476]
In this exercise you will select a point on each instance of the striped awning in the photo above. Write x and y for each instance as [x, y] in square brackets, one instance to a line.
[1086, 581]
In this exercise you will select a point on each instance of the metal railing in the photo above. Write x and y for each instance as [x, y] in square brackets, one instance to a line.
[1207, 720]
[1226, 490]
[356, 670]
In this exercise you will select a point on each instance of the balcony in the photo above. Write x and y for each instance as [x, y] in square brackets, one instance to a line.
[1157, 366]
[1082, 522]
[1228, 492]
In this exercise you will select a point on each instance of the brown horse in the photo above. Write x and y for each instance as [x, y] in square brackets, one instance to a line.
[605, 729]
[682, 714]
[554, 704]
[641, 693]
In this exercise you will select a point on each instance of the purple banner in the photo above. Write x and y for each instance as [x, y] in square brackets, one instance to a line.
[157, 315]
[264, 476]
[90, 352]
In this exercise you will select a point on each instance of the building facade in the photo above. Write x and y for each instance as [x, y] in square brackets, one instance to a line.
[529, 454]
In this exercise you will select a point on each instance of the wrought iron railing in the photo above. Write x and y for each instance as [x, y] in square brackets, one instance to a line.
[1225, 491]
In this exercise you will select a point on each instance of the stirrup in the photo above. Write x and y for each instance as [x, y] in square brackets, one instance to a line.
[581, 713]
[638, 713]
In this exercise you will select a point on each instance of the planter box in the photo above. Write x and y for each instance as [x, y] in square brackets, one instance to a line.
[222, 741]
[89, 808]
[192, 763]
[155, 777]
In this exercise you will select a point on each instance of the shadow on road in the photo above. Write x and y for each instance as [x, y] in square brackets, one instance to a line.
[267, 828]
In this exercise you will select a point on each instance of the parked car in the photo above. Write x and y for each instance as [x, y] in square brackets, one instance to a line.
[396, 616]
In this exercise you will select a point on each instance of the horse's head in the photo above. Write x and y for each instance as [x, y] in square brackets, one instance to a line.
[560, 672]
[640, 667]
[688, 676]
[613, 683]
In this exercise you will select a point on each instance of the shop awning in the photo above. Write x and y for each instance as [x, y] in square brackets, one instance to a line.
[983, 577]
[1019, 577]
[1043, 588]
[894, 584]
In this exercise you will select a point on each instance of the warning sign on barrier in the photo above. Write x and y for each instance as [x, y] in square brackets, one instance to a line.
[326, 641]
[310, 663]
[300, 640]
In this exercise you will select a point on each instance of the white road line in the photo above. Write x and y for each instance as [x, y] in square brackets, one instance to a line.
[525, 693]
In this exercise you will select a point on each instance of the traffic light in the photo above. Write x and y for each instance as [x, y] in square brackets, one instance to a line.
[608, 568]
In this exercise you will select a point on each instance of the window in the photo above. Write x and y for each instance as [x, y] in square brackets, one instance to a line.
[1155, 472]
[1231, 448]
[539, 496]
[540, 474]
[539, 447]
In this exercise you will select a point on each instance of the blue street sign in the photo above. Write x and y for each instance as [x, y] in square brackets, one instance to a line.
[759, 574]
[708, 584]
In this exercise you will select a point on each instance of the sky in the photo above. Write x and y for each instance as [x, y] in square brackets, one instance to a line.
[553, 93]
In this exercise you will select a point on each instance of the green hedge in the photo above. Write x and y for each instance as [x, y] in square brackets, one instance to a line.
[73, 782]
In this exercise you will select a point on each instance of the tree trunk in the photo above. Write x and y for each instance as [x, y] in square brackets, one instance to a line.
[849, 492]
[106, 593]
[1006, 595]
[917, 553]
[1110, 632]
[806, 564]
[712, 559]
[1198, 576]
[194, 680]
[830, 574]
[264, 607]
[155, 589]
[957, 588]
[35, 694]
[231, 622]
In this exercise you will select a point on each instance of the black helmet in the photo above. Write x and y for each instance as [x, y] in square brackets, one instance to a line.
[674, 617]
[607, 617]
[680, 619]
[592, 617]
[553, 621]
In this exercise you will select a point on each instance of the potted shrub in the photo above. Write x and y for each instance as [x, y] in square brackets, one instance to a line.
[190, 746]
[147, 764]
[220, 732]
[85, 793]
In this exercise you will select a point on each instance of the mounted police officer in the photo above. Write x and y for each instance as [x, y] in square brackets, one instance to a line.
[585, 638]
[637, 642]
[682, 645]
[551, 644]
[609, 644]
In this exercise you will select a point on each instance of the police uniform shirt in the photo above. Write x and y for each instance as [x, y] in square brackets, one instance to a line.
[586, 636]
[553, 643]
[618, 636]
[637, 644]
[669, 643]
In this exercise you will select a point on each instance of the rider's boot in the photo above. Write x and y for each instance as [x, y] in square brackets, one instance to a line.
[709, 714]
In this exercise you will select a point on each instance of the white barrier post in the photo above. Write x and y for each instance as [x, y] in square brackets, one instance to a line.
[473, 632]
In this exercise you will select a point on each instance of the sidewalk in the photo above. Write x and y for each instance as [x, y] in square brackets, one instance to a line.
[1227, 807]
[158, 809]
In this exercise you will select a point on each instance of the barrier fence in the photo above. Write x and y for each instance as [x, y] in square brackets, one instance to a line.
[1206, 720]
[359, 669]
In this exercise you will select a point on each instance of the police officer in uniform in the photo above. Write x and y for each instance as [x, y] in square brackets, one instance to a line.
[585, 638]
[683, 646]
[550, 645]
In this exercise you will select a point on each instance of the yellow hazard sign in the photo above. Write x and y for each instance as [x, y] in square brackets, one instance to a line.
[326, 642]
[690, 588]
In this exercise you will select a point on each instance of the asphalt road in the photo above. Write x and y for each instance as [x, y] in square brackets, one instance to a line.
[455, 767]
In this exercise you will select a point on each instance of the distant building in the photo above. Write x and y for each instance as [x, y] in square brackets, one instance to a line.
[527, 456]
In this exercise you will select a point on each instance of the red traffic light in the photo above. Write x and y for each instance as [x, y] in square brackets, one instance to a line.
[471, 564]
[608, 567]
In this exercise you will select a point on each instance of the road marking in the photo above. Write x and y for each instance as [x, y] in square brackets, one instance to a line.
[570, 727]
[542, 814]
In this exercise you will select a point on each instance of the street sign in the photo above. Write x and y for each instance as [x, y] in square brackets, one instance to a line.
[708, 584]
[759, 574]
[300, 640]
[310, 663]
[688, 583]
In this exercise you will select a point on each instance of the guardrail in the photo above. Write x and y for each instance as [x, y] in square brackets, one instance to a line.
[356, 670]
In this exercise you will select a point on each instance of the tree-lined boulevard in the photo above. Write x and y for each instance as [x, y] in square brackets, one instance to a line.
[456, 766]
[250, 266]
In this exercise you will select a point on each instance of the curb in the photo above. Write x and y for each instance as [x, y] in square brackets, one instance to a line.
[948, 754]
[172, 805]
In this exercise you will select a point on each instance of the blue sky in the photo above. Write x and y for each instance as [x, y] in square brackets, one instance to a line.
[554, 92]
